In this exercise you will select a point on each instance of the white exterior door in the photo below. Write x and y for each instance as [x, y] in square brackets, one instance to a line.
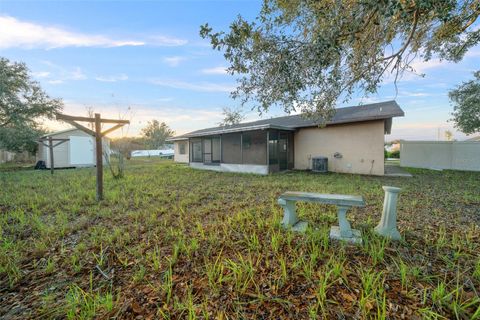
[81, 150]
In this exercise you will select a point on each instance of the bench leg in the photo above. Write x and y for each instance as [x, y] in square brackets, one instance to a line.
[290, 217]
[345, 228]
[344, 232]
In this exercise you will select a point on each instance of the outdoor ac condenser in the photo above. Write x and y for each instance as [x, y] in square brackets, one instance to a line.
[320, 164]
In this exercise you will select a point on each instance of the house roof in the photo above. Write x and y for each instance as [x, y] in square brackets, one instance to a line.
[58, 132]
[367, 112]
[52, 134]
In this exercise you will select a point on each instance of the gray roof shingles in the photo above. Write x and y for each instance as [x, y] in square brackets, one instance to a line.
[367, 112]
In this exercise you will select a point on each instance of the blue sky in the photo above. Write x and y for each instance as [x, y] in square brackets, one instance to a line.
[144, 60]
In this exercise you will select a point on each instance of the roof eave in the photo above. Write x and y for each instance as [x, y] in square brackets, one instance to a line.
[239, 129]
[363, 119]
[173, 139]
[58, 132]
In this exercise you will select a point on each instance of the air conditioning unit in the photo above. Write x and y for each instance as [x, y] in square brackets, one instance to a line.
[320, 164]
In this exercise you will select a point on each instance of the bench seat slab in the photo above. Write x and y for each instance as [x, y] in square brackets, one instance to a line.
[335, 199]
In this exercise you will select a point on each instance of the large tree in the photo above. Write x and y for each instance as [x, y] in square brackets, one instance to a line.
[155, 134]
[231, 116]
[466, 105]
[306, 54]
[22, 104]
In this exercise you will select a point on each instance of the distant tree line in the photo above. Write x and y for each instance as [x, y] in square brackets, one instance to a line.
[153, 137]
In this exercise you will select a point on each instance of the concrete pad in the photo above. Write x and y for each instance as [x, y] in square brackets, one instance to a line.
[396, 171]
[300, 226]
[355, 239]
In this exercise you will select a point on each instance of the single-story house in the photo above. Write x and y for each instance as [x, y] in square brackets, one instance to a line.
[78, 151]
[353, 141]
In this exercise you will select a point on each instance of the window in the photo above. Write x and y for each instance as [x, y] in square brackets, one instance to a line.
[181, 147]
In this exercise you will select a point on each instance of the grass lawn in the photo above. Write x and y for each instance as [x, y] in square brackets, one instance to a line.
[173, 242]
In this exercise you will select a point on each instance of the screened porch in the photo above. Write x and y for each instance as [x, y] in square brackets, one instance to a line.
[270, 148]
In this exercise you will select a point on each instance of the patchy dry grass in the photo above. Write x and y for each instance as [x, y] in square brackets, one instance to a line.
[172, 242]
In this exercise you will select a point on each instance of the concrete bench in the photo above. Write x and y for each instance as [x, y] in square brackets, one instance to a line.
[343, 202]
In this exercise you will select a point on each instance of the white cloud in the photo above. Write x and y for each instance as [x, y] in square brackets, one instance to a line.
[41, 74]
[180, 119]
[413, 94]
[473, 53]
[215, 70]
[423, 131]
[114, 78]
[173, 61]
[421, 66]
[203, 86]
[59, 74]
[165, 41]
[166, 99]
[29, 35]
[55, 81]
[77, 74]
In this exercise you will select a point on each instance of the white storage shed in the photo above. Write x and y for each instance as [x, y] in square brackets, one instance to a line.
[78, 151]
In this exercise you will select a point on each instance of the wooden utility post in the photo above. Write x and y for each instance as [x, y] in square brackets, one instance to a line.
[98, 146]
[50, 147]
[98, 134]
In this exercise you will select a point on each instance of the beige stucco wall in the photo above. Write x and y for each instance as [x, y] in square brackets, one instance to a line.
[181, 157]
[61, 153]
[360, 144]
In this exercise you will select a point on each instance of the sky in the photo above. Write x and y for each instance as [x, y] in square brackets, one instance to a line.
[145, 60]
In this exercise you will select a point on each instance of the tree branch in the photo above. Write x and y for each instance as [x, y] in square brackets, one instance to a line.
[409, 39]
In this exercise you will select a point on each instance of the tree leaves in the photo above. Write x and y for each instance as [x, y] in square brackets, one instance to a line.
[466, 100]
[305, 55]
[22, 103]
[155, 134]
[231, 116]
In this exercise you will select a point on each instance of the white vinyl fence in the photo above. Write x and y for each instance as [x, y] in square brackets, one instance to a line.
[454, 155]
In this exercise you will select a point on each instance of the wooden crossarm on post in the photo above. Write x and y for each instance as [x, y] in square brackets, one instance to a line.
[86, 119]
[98, 134]
[60, 141]
[76, 125]
[115, 127]
[50, 146]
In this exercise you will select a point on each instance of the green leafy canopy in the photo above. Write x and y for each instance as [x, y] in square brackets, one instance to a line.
[155, 134]
[466, 105]
[22, 104]
[231, 116]
[305, 55]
